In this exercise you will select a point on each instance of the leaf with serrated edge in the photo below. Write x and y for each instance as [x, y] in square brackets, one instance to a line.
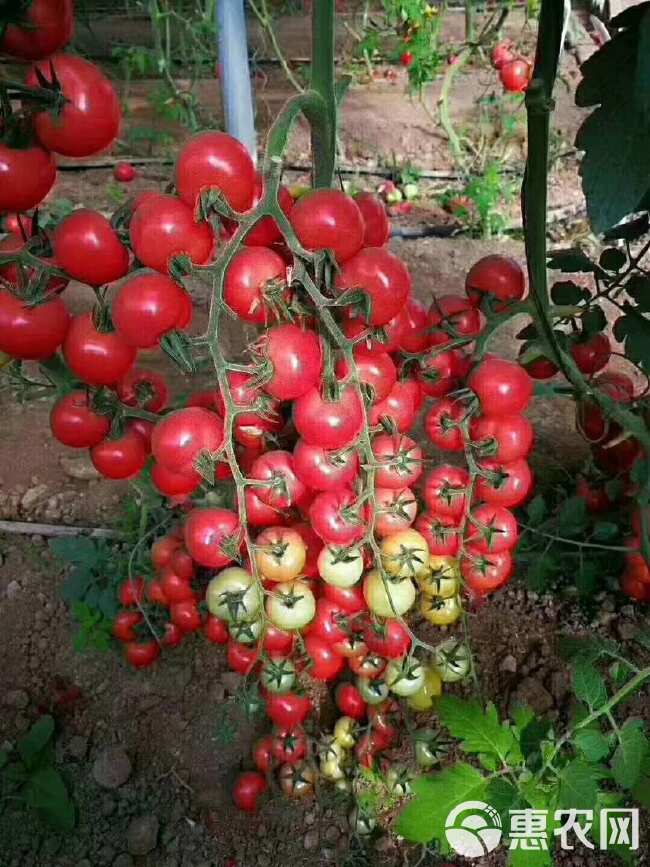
[578, 785]
[479, 730]
[592, 743]
[630, 754]
[423, 818]
[588, 683]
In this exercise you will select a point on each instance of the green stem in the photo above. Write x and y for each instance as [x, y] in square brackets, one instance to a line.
[323, 126]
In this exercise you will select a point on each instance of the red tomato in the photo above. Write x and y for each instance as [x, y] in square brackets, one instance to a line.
[242, 658]
[595, 497]
[256, 285]
[618, 458]
[454, 316]
[492, 529]
[502, 53]
[539, 367]
[285, 488]
[510, 485]
[172, 484]
[591, 354]
[633, 586]
[376, 371]
[442, 425]
[147, 306]
[182, 563]
[88, 249]
[441, 533]
[515, 75]
[590, 421]
[173, 635]
[358, 330]
[182, 436]
[484, 573]
[174, 587]
[349, 599]
[75, 424]
[277, 642]
[267, 231]
[215, 161]
[131, 592]
[124, 173]
[382, 276]
[89, 120]
[325, 663]
[145, 388]
[294, 356]
[502, 387]
[332, 424]
[498, 276]
[338, 518]
[416, 335]
[375, 220]
[17, 224]
[163, 227]
[259, 514]
[124, 625]
[330, 621]
[406, 59]
[120, 458]
[262, 754]
[142, 654]
[438, 373]
[323, 470]
[212, 536]
[445, 490]
[96, 357]
[44, 27]
[247, 790]
[389, 639]
[26, 176]
[328, 220]
[156, 595]
[31, 332]
[399, 461]
[289, 710]
[397, 407]
[504, 438]
[349, 702]
[186, 615]
[163, 550]
[143, 429]
[395, 510]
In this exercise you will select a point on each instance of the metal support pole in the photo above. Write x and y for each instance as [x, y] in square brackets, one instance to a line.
[235, 73]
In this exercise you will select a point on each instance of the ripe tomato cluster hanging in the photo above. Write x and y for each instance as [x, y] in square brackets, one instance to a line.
[514, 71]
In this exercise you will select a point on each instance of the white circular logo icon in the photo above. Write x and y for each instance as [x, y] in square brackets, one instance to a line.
[473, 829]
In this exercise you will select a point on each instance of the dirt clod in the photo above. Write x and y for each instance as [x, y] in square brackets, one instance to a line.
[112, 768]
[142, 834]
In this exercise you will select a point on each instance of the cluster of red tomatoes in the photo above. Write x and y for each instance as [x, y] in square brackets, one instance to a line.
[514, 71]
[73, 110]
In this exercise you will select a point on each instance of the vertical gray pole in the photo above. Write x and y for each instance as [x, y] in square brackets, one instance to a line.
[235, 72]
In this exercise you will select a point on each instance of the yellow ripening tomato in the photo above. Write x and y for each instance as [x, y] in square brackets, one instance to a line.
[442, 578]
[431, 688]
[405, 554]
[440, 611]
[280, 553]
[389, 599]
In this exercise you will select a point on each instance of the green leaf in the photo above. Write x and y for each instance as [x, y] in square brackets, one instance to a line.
[74, 549]
[568, 292]
[522, 715]
[630, 754]
[479, 730]
[570, 260]
[4, 758]
[501, 795]
[46, 792]
[593, 744]
[541, 573]
[532, 736]
[530, 858]
[593, 321]
[578, 785]
[587, 577]
[588, 683]
[641, 789]
[423, 818]
[572, 517]
[605, 531]
[536, 510]
[643, 638]
[37, 738]
[633, 330]
[76, 585]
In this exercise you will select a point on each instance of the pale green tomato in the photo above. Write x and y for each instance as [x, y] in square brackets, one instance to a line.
[372, 691]
[245, 633]
[391, 599]
[361, 823]
[398, 781]
[345, 732]
[341, 567]
[404, 676]
[332, 751]
[343, 785]
[331, 770]
[278, 675]
[291, 606]
[452, 659]
[234, 595]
